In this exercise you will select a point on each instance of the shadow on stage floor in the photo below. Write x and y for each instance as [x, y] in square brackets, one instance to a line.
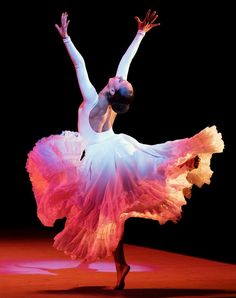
[149, 293]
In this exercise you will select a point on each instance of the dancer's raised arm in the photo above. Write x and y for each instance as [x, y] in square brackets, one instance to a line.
[143, 27]
[87, 89]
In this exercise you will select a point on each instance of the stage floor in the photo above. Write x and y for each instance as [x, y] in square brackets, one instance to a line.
[31, 268]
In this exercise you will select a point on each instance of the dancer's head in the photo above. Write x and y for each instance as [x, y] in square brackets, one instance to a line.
[120, 94]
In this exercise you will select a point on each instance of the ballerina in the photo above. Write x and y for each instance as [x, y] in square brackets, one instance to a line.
[98, 179]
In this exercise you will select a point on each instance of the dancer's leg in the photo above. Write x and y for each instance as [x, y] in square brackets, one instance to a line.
[122, 268]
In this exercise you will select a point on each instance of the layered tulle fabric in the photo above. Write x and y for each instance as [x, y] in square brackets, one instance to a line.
[117, 178]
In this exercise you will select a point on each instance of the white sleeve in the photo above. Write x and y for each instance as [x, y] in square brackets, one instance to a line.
[123, 67]
[87, 89]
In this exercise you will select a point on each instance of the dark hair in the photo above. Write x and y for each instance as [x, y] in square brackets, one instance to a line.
[121, 100]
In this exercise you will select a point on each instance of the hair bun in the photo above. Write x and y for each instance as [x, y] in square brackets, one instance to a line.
[120, 108]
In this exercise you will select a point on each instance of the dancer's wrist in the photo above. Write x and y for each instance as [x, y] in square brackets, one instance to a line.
[141, 32]
[66, 39]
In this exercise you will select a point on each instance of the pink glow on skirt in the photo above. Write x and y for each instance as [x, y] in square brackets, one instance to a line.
[118, 178]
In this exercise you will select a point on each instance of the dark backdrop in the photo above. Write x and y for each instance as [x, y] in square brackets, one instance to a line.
[182, 81]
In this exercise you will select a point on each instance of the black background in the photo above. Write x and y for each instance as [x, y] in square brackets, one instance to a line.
[183, 83]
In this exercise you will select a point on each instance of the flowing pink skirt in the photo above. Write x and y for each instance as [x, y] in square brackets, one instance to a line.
[118, 178]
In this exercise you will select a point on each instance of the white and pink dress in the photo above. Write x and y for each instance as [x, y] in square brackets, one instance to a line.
[117, 177]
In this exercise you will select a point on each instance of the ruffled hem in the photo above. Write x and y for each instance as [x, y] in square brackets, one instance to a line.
[117, 179]
[52, 166]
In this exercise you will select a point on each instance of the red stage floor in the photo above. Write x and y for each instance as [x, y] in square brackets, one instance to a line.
[31, 268]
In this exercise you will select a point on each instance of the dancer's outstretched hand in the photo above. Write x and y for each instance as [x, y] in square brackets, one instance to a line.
[64, 25]
[148, 22]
